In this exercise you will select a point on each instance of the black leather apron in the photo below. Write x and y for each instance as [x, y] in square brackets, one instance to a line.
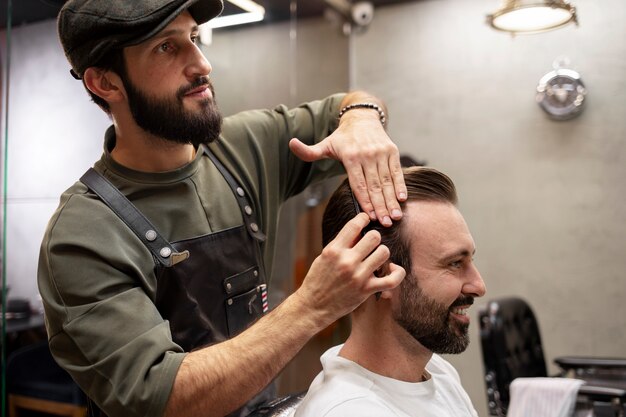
[209, 288]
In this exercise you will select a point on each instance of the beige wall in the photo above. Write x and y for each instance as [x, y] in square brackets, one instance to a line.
[256, 67]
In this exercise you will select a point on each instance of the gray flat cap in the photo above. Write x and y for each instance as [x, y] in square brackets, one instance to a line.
[89, 29]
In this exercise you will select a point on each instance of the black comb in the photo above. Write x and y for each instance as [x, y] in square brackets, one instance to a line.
[357, 209]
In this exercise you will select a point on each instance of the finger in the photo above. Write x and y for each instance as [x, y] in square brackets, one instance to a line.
[370, 241]
[374, 261]
[398, 177]
[387, 282]
[388, 294]
[307, 153]
[351, 232]
[358, 184]
[375, 191]
[388, 190]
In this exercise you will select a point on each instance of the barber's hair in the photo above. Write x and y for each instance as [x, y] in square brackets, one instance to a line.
[112, 61]
[423, 184]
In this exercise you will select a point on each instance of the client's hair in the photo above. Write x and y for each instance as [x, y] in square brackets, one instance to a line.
[423, 184]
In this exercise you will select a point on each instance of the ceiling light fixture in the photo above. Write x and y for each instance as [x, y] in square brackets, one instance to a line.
[532, 16]
[254, 12]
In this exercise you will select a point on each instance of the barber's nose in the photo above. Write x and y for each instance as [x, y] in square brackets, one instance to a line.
[199, 65]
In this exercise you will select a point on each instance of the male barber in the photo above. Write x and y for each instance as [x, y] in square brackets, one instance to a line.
[389, 365]
[156, 262]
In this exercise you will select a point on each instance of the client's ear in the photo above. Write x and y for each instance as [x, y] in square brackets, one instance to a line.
[387, 295]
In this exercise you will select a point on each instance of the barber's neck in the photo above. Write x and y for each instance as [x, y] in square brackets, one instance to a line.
[379, 344]
[139, 150]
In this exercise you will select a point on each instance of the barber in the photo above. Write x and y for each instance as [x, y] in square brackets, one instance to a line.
[153, 269]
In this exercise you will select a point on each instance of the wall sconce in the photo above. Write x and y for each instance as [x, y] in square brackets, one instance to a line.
[561, 93]
[351, 17]
[532, 16]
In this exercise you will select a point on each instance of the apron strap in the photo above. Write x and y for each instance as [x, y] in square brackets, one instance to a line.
[249, 217]
[137, 222]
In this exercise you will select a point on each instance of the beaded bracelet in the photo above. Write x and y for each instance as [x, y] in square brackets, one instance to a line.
[373, 106]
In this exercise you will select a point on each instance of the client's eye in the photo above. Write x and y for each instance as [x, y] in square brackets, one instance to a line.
[456, 264]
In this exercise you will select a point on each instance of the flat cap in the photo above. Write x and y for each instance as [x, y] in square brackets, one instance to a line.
[89, 29]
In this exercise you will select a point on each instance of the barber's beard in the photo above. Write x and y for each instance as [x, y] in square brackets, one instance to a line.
[430, 322]
[168, 119]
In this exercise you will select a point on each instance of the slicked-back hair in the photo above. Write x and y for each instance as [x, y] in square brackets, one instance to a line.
[423, 184]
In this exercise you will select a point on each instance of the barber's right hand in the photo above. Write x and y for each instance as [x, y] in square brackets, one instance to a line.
[342, 277]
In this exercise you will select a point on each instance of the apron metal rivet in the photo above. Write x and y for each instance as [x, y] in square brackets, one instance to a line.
[256, 273]
[229, 287]
[240, 191]
[165, 252]
[151, 235]
[248, 210]
[230, 301]
[254, 227]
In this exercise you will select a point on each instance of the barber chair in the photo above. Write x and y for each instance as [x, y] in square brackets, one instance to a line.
[280, 407]
[511, 347]
[36, 383]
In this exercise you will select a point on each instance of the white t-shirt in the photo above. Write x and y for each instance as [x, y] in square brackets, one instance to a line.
[346, 389]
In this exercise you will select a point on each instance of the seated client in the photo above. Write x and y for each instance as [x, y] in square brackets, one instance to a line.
[389, 365]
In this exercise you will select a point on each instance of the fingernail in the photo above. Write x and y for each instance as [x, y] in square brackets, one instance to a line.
[396, 213]
[386, 221]
[372, 215]
[402, 196]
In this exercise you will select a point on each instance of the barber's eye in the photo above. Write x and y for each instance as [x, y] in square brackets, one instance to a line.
[165, 47]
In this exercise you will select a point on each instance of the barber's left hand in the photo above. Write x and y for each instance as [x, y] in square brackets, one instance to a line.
[370, 158]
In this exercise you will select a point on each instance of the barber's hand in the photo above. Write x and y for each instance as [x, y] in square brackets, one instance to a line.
[342, 277]
[370, 158]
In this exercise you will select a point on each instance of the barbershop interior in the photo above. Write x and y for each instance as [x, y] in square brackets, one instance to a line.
[522, 103]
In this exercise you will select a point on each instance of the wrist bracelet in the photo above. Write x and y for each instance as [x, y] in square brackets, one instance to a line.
[381, 113]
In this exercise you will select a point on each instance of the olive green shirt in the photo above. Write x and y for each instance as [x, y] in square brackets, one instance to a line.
[97, 279]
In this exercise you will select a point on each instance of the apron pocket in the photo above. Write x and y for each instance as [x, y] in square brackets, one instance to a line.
[243, 310]
[243, 281]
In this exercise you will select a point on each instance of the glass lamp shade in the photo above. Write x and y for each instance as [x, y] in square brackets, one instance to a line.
[532, 16]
